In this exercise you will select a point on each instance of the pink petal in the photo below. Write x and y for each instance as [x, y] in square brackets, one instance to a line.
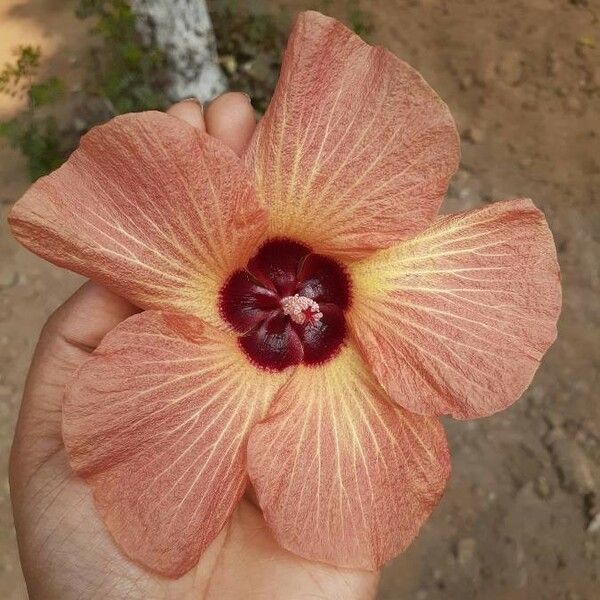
[355, 151]
[341, 474]
[151, 208]
[157, 422]
[456, 321]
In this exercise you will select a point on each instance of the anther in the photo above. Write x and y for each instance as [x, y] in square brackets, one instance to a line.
[301, 309]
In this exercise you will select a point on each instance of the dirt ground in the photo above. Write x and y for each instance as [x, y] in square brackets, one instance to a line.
[521, 519]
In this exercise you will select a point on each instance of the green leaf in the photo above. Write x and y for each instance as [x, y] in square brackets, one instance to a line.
[46, 92]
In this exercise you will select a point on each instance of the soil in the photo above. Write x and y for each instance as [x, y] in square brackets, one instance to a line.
[521, 519]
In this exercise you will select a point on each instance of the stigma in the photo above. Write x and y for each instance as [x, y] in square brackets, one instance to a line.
[301, 310]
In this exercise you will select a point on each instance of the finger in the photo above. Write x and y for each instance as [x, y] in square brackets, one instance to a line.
[87, 316]
[69, 336]
[230, 118]
[189, 111]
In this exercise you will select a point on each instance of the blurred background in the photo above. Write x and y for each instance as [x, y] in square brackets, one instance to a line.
[521, 519]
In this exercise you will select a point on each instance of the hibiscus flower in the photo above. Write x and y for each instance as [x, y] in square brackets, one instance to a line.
[307, 318]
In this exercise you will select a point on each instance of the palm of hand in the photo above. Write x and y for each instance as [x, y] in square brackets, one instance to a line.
[68, 554]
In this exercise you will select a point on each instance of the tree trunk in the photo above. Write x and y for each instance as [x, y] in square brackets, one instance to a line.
[183, 31]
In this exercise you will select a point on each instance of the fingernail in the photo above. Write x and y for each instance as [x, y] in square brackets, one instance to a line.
[194, 100]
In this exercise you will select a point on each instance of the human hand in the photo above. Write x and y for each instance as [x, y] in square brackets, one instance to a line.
[65, 550]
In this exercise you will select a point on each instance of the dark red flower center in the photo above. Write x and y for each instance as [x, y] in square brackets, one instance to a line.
[288, 304]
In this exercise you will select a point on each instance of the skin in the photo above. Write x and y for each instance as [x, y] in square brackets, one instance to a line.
[66, 552]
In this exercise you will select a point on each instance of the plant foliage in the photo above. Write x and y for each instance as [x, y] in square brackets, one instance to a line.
[129, 74]
[126, 74]
[33, 131]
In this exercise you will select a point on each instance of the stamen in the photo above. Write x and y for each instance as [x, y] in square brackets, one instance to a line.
[301, 309]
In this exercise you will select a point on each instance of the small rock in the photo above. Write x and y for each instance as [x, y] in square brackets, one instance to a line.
[468, 559]
[554, 64]
[466, 551]
[229, 63]
[422, 595]
[466, 81]
[79, 124]
[594, 524]
[563, 91]
[536, 394]
[592, 509]
[583, 46]
[573, 466]
[554, 419]
[474, 135]
[486, 73]
[586, 41]
[510, 68]
[8, 276]
[573, 104]
[529, 104]
[259, 68]
[542, 487]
